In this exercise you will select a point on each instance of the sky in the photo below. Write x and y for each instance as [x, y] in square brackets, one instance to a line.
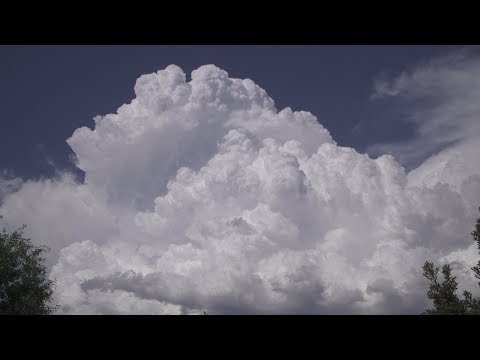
[242, 179]
[49, 91]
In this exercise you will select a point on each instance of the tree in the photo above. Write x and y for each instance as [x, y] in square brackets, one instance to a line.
[443, 294]
[24, 286]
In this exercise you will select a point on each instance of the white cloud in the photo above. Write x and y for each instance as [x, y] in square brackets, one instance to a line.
[201, 195]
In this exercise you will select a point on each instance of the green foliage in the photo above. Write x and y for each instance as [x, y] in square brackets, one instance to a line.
[443, 293]
[24, 285]
[476, 237]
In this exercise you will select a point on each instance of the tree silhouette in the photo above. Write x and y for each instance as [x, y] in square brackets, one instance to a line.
[24, 285]
[444, 293]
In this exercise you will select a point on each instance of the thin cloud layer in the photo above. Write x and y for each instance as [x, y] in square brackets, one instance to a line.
[440, 97]
[8, 184]
[201, 195]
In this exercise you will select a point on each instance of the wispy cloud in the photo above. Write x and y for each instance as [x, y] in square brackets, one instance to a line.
[441, 98]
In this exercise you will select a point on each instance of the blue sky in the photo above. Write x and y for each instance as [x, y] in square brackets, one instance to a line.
[47, 92]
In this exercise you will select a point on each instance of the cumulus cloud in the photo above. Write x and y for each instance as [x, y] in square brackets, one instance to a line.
[201, 195]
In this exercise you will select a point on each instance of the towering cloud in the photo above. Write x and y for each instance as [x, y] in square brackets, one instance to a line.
[201, 195]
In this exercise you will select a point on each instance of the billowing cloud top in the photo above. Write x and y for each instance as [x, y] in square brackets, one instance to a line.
[200, 195]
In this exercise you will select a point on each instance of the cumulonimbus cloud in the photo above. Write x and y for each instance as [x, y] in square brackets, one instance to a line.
[201, 195]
